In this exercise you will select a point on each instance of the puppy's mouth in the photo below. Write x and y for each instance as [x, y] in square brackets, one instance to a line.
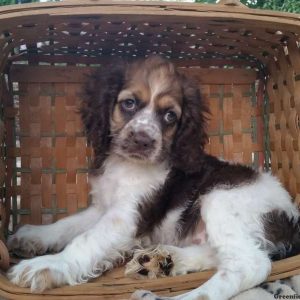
[137, 156]
[133, 151]
[130, 150]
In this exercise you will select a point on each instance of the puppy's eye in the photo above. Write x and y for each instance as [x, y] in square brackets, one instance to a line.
[129, 104]
[170, 117]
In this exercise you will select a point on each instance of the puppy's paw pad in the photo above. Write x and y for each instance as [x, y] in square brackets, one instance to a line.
[151, 262]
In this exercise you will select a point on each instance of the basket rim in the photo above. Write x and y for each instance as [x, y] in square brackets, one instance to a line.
[104, 7]
[16, 19]
[143, 3]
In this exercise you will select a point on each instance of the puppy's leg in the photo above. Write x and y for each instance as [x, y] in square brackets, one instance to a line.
[165, 260]
[243, 264]
[87, 256]
[31, 240]
[235, 274]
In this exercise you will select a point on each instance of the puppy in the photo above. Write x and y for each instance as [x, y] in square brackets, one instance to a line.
[152, 183]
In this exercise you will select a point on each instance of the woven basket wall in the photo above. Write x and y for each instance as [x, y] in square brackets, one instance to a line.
[247, 63]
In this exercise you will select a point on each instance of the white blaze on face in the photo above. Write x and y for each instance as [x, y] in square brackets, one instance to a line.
[147, 122]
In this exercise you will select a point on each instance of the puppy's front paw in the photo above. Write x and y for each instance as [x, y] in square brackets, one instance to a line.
[39, 273]
[152, 262]
[29, 241]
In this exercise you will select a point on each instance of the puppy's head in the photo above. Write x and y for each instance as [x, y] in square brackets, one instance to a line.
[145, 112]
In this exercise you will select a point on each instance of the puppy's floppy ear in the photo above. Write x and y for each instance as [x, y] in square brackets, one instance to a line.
[191, 135]
[100, 95]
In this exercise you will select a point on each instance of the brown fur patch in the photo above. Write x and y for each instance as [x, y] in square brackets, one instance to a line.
[185, 190]
[140, 92]
[99, 98]
[117, 120]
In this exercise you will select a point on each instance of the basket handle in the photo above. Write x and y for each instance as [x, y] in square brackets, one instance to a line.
[232, 3]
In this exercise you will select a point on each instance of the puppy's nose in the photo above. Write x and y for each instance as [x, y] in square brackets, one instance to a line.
[142, 139]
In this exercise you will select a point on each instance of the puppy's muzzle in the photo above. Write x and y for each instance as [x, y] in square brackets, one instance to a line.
[139, 143]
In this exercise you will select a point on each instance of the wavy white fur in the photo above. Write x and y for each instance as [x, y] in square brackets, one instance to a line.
[100, 236]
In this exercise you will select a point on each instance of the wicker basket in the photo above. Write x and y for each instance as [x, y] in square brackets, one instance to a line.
[247, 63]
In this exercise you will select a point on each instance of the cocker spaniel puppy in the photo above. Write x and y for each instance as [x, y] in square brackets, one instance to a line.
[152, 184]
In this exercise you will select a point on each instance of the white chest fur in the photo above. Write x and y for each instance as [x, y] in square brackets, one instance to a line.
[125, 183]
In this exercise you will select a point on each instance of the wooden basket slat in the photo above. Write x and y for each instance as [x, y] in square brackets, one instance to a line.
[284, 123]
[77, 59]
[73, 74]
